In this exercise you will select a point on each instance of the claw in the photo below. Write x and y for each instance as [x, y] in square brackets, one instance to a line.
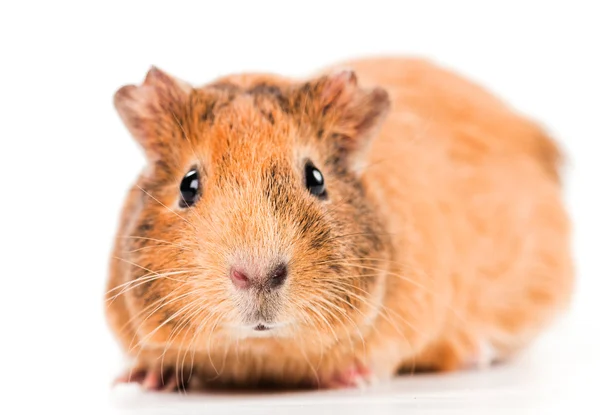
[485, 357]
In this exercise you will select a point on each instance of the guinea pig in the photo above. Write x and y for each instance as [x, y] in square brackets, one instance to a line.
[380, 216]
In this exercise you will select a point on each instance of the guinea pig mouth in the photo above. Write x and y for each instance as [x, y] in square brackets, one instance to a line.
[261, 327]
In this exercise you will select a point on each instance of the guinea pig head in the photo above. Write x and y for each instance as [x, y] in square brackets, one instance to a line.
[252, 218]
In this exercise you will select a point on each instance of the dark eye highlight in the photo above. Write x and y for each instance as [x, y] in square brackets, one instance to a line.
[315, 182]
[189, 189]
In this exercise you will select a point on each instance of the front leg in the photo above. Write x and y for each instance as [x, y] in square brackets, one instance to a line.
[159, 377]
[377, 363]
[164, 372]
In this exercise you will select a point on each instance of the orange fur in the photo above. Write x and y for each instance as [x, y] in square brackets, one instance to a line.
[444, 229]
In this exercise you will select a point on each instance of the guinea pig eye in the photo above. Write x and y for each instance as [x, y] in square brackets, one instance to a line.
[315, 182]
[189, 189]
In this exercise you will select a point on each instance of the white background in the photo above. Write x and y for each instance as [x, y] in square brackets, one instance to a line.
[66, 162]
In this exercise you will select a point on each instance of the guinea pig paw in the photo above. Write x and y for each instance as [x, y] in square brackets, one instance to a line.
[156, 379]
[134, 375]
[355, 376]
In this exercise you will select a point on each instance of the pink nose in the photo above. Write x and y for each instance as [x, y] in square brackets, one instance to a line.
[271, 279]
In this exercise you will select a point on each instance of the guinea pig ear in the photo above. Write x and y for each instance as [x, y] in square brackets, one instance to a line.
[150, 111]
[351, 115]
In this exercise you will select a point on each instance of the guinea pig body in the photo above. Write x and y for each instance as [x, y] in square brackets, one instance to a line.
[335, 230]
